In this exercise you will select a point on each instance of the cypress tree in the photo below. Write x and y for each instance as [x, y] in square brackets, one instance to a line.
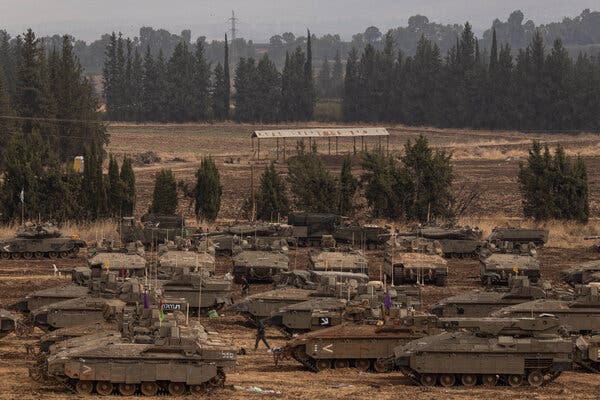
[324, 80]
[208, 190]
[493, 53]
[267, 92]
[218, 94]
[6, 126]
[351, 87]
[201, 83]
[337, 76]
[164, 197]
[115, 187]
[227, 81]
[271, 200]
[127, 178]
[348, 186]
[308, 97]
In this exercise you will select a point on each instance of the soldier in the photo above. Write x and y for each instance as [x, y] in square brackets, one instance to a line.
[260, 335]
[245, 287]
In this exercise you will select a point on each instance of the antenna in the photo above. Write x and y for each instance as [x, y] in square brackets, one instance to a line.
[234, 32]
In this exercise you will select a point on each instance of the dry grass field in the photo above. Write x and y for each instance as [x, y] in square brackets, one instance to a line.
[489, 159]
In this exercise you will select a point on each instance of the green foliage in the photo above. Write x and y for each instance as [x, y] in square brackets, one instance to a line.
[312, 185]
[164, 198]
[115, 187]
[417, 188]
[208, 190]
[271, 199]
[128, 181]
[93, 185]
[347, 188]
[553, 187]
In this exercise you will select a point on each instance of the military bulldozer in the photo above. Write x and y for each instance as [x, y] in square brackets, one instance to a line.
[40, 241]
[488, 351]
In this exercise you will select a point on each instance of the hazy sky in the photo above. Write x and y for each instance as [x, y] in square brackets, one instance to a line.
[260, 19]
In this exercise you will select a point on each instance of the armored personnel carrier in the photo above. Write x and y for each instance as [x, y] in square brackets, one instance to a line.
[419, 260]
[488, 351]
[479, 303]
[580, 315]
[40, 241]
[309, 228]
[358, 346]
[456, 242]
[8, 323]
[497, 268]
[167, 359]
[365, 236]
[342, 261]
[200, 291]
[518, 236]
[584, 273]
[259, 265]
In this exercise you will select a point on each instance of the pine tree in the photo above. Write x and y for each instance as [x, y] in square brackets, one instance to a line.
[271, 200]
[313, 186]
[208, 191]
[308, 97]
[351, 87]
[164, 197]
[115, 188]
[324, 81]
[245, 90]
[6, 126]
[127, 178]
[267, 94]
[218, 93]
[137, 88]
[337, 77]
[181, 103]
[348, 186]
[201, 83]
[493, 54]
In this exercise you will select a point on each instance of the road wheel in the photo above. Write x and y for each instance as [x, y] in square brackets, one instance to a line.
[468, 380]
[149, 388]
[362, 364]
[38, 255]
[323, 365]
[489, 380]
[63, 254]
[27, 255]
[15, 256]
[176, 389]
[447, 380]
[5, 255]
[84, 387]
[428, 379]
[104, 388]
[515, 380]
[127, 389]
[535, 378]
[339, 364]
[52, 254]
[380, 367]
[198, 390]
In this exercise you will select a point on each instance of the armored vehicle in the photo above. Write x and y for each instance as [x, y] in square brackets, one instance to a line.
[173, 259]
[153, 229]
[584, 273]
[200, 291]
[8, 323]
[169, 359]
[587, 353]
[488, 351]
[228, 238]
[262, 305]
[309, 228]
[258, 265]
[359, 346]
[126, 261]
[39, 241]
[365, 236]
[45, 297]
[456, 242]
[580, 315]
[479, 303]
[309, 279]
[519, 236]
[497, 268]
[342, 261]
[418, 260]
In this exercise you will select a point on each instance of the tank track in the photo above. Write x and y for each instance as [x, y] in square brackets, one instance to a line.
[589, 366]
[414, 378]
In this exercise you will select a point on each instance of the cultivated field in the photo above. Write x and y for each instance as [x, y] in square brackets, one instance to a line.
[487, 158]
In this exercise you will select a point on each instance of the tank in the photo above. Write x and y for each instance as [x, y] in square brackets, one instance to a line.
[152, 229]
[259, 265]
[228, 238]
[365, 236]
[262, 305]
[478, 303]
[126, 261]
[45, 297]
[40, 241]
[582, 274]
[519, 236]
[200, 291]
[497, 268]
[488, 351]
[175, 257]
[358, 346]
[8, 323]
[587, 353]
[164, 358]
[417, 260]
[308, 228]
[456, 242]
[309, 279]
[342, 261]
[580, 315]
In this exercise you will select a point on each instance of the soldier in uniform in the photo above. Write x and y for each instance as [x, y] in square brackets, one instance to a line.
[260, 335]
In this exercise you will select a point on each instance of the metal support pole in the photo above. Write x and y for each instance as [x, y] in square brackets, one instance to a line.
[253, 146]
[258, 154]
[277, 151]
[283, 149]
[388, 146]
[336, 145]
[354, 143]
[329, 145]
[362, 144]
[310, 144]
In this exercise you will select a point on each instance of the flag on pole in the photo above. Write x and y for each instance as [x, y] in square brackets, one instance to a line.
[22, 196]
[146, 300]
[388, 300]
[161, 313]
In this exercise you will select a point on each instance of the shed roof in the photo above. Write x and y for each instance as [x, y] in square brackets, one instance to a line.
[320, 132]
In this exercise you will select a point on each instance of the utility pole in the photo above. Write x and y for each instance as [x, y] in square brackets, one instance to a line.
[233, 21]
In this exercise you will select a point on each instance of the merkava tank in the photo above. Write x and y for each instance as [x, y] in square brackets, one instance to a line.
[498, 264]
[165, 358]
[488, 351]
[126, 261]
[579, 315]
[309, 228]
[366, 236]
[40, 241]
[479, 303]
[178, 255]
[419, 260]
[8, 322]
[456, 242]
[152, 229]
[228, 238]
[310, 279]
[358, 346]
[342, 261]
[582, 274]
[260, 265]
[45, 297]
[200, 290]
[517, 237]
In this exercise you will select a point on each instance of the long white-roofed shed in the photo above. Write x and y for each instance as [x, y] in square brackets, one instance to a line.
[318, 133]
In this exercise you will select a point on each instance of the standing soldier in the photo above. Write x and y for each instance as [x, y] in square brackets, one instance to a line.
[245, 287]
[260, 335]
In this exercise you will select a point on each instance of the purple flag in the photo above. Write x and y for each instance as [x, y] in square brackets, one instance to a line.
[146, 300]
[388, 300]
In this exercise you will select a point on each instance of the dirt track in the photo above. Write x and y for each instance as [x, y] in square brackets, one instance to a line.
[256, 369]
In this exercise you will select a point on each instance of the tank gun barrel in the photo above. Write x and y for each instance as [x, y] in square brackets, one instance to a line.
[594, 237]
[503, 326]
